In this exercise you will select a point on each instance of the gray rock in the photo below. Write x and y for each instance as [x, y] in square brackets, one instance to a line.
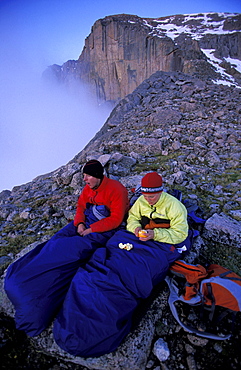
[225, 226]
[131, 354]
[236, 214]
[25, 213]
[161, 350]
[4, 195]
[77, 181]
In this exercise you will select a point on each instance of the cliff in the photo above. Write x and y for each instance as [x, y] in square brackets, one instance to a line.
[123, 50]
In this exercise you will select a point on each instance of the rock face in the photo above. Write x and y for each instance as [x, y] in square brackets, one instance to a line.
[123, 50]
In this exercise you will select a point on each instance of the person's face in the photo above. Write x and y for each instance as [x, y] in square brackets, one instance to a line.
[152, 198]
[93, 182]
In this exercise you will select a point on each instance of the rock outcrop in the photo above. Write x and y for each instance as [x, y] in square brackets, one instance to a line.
[188, 130]
[123, 50]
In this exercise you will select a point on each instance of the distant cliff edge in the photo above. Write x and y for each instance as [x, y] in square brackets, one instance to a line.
[123, 50]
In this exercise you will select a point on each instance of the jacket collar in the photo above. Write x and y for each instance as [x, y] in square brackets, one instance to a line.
[102, 184]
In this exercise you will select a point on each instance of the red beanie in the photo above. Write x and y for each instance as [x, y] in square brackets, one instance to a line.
[151, 183]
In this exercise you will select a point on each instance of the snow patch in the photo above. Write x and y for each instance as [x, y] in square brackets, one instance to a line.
[207, 26]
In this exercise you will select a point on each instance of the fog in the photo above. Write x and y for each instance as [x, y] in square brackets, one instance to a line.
[43, 126]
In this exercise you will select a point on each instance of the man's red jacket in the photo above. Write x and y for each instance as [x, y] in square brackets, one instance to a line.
[110, 193]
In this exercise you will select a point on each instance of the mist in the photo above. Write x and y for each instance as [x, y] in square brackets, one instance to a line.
[43, 126]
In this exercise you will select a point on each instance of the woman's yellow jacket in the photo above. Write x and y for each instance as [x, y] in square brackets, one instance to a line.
[167, 207]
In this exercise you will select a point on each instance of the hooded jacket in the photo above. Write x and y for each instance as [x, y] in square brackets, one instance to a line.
[167, 208]
[110, 193]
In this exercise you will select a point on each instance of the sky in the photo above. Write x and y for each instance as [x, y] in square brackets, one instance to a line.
[43, 127]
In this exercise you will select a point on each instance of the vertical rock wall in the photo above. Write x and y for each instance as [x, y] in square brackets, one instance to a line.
[119, 54]
[124, 50]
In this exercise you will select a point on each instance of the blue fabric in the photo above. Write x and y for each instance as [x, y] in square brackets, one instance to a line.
[88, 284]
[98, 308]
[38, 282]
[195, 218]
[90, 216]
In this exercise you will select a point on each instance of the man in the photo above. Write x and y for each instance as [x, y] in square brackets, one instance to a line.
[100, 190]
[38, 282]
[163, 216]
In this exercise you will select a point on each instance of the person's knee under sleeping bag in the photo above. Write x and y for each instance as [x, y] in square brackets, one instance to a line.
[38, 282]
[97, 312]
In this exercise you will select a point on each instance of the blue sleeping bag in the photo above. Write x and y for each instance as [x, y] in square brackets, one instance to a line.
[97, 312]
[88, 284]
[38, 282]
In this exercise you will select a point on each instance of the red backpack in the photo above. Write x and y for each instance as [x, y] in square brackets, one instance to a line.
[211, 287]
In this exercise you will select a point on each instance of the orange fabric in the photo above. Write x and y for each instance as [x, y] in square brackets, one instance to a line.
[214, 290]
[110, 193]
[192, 273]
[190, 292]
[216, 270]
[223, 297]
[152, 225]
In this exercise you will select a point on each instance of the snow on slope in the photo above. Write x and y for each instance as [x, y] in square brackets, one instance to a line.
[196, 26]
[205, 25]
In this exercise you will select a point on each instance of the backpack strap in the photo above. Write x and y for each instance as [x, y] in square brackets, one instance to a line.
[173, 297]
[212, 299]
[224, 276]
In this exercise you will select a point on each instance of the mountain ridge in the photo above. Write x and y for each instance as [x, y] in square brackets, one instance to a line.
[123, 50]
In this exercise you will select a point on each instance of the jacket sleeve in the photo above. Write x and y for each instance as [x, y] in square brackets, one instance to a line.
[178, 230]
[118, 206]
[81, 205]
[134, 217]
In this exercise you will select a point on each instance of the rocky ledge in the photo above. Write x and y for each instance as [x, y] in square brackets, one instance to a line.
[189, 131]
[156, 340]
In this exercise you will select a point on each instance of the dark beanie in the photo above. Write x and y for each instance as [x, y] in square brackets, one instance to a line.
[151, 183]
[94, 168]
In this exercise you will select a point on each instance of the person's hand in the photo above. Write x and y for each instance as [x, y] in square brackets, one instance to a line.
[87, 231]
[149, 235]
[80, 229]
[137, 231]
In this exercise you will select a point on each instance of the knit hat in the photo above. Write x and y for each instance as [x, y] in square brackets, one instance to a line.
[94, 168]
[151, 183]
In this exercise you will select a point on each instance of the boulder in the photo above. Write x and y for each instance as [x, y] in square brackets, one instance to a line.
[224, 230]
